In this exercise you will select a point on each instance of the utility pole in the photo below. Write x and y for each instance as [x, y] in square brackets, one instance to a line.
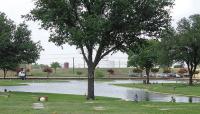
[73, 65]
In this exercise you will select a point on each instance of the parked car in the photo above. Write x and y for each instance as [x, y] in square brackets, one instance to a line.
[164, 75]
[131, 74]
[174, 75]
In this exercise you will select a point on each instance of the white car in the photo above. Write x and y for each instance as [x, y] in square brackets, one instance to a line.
[21, 74]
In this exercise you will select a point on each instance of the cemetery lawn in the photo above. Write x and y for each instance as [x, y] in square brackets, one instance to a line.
[172, 88]
[22, 82]
[22, 103]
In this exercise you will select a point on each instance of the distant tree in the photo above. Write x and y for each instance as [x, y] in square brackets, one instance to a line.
[100, 27]
[28, 50]
[55, 65]
[146, 58]
[16, 47]
[187, 46]
[8, 66]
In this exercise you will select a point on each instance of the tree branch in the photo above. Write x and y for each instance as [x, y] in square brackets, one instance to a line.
[83, 52]
[104, 54]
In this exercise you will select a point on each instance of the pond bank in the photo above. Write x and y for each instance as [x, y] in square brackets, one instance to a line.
[168, 88]
[106, 89]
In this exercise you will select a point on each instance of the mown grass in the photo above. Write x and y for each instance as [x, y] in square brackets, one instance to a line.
[174, 88]
[21, 103]
[21, 82]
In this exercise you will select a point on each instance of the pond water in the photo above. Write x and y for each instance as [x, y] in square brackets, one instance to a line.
[101, 89]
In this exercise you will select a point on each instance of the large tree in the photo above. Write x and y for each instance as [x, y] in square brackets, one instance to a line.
[100, 27]
[187, 47]
[146, 58]
[16, 46]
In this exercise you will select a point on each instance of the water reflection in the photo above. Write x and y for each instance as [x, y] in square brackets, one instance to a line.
[102, 89]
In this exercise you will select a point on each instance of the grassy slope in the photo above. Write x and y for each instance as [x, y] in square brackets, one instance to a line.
[183, 89]
[21, 103]
[11, 83]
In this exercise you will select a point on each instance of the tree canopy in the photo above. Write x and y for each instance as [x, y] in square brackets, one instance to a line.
[187, 47]
[100, 27]
[16, 45]
[146, 58]
[165, 59]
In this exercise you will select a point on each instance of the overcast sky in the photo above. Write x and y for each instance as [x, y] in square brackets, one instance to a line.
[15, 8]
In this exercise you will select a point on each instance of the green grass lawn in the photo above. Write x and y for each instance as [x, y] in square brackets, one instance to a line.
[11, 82]
[175, 88]
[20, 82]
[21, 103]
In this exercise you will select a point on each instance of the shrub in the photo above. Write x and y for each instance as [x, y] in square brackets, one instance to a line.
[99, 74]
[137, 70]
[155, 70]
[182, 70]
[111, 71]
[48, 70]
[167, 70]
[79, 73]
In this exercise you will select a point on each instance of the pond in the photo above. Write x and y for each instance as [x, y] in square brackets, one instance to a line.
[105, 89]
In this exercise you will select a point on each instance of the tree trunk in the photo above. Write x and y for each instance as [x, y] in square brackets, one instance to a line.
[190, 78]
[4, 73]
[147, 73]
[47, 75]
[90, 94]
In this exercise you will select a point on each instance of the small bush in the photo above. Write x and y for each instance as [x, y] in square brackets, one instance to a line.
[137, 70]
[155, 70]
[182, 70]
[111, 71]
[99, 74]
[79, 73]
[167, 70]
